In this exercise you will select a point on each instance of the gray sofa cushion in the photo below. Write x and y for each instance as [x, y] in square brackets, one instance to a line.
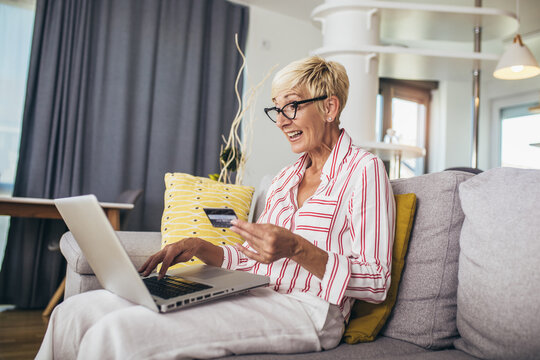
[139, 245]
[425, 309]
[499, 267]
[383, 348]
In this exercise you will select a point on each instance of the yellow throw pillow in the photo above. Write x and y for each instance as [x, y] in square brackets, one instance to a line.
[183, 216]
[367, 319]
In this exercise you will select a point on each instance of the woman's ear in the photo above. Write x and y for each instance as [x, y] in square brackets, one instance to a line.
[331, 108]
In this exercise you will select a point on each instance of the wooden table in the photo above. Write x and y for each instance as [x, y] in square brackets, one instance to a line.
[45, 209]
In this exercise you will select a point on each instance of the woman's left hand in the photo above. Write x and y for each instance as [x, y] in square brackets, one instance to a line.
[270, 242]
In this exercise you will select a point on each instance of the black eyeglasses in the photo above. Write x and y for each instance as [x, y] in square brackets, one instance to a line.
[289, 110]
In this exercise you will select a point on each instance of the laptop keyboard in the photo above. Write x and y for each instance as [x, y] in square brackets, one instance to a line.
[171, 286]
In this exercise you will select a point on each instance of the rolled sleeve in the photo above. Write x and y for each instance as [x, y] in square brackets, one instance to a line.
[231, 257]
[236, 260]
[336, 278]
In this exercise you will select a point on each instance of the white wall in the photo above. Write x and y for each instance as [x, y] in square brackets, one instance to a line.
[458, 119]
[272, 39]
[437, 130]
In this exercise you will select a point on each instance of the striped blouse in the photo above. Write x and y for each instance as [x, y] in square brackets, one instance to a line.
[351, 216]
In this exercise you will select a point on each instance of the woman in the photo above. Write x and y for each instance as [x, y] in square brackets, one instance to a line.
[324, 239]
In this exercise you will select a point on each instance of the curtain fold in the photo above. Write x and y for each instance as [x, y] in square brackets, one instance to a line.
[119, 93]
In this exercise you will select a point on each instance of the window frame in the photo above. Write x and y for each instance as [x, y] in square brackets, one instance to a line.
[495, 134]
[411, 90]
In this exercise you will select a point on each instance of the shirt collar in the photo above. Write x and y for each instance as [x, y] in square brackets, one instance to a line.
[338, 154]
[331, 166]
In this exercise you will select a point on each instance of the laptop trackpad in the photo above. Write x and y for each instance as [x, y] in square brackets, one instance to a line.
[202, 272]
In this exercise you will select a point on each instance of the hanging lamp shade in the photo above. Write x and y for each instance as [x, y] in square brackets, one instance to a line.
[517, 62]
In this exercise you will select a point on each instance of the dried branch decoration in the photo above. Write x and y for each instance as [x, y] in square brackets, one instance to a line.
[234, 154]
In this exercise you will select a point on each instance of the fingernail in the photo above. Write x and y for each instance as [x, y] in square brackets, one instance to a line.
[234, 221]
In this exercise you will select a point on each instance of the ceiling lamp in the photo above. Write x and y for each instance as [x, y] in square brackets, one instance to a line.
[517, 62]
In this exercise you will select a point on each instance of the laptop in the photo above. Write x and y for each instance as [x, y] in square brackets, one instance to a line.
[181, 288]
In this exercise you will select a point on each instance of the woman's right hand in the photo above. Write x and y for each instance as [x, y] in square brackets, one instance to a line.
[182, 251]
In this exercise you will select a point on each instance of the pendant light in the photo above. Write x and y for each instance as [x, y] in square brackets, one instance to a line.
[517, 62]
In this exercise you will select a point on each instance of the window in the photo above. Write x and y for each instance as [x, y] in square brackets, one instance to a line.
[520, 137]
[513, 128]
[404, 108]
[16, 27]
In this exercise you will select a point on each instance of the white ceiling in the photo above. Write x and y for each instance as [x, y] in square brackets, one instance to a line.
[529, 10]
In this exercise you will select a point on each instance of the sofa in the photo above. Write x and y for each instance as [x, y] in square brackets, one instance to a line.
[469, 288]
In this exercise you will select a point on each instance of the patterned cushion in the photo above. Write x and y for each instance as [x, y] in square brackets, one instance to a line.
[183, 216]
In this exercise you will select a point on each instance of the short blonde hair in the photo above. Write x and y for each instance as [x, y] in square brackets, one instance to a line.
[316, 76]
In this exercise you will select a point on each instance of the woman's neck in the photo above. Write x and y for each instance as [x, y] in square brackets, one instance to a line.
[318, 157]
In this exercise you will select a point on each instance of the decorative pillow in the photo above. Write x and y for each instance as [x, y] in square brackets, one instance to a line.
[499, 271]
[425, 310]
[183, 216]
[367, 319]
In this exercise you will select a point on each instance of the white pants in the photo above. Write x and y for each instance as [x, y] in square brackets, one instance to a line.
[101, 325]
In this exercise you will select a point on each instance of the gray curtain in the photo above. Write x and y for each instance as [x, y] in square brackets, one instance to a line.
[119, 93]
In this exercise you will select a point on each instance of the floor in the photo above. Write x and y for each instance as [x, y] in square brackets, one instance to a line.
[21, 332]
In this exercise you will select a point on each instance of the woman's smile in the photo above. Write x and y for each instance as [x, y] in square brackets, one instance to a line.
[294, 135]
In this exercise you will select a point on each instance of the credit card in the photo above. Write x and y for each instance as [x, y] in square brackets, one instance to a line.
[220, 217]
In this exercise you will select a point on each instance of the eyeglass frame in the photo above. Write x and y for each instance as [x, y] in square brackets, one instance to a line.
[295, 104]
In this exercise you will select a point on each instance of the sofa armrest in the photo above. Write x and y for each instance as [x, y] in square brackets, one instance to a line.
[138, 245]
[80, 276]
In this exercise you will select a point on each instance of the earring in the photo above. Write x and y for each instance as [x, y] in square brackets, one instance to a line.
[329, 119]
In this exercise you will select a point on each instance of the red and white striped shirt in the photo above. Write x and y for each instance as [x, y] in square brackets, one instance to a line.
[351, 216]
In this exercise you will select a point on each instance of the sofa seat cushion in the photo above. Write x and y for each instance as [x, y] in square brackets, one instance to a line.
[139, 245]
[382, 348]
[425, 309]
[499, 271]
